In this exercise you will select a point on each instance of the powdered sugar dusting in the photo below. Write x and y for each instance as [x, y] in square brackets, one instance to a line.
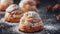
[12, 7]
[35, 16]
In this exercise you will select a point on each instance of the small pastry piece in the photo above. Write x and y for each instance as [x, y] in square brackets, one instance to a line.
[31, 22]
[28, 5]
[58, 17]
[56, 7]
[4, 4]
[13, 13]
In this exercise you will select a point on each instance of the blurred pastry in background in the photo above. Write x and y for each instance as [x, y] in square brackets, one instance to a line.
[58, 17]
[13, 13]
[49, 7]
[4, 4]
[28, 5]
[37, 2]
[53, 8]
[31, 22]
[56, 7]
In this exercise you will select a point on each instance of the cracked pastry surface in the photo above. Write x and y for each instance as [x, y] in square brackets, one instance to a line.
[31, 22]
[13, 13]
[4, 4]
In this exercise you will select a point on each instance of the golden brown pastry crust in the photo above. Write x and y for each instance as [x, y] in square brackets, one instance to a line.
[24, 29]
[11, 18]
[29, 23]
[13, 13]
[28, 5]
[56, 7]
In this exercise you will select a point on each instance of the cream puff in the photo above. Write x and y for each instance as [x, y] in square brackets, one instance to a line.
[56, 7]
[13, 13]
[28, 5]
[31, 22]
[4, 4]
[49, 7]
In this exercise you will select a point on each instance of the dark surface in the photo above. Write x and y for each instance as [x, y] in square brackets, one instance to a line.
[52, 26]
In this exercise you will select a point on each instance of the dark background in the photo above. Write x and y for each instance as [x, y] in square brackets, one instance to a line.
[42, 1]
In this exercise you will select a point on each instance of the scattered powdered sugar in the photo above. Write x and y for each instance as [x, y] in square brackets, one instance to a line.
[9, 23]
[51, 27]
[2, 20]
